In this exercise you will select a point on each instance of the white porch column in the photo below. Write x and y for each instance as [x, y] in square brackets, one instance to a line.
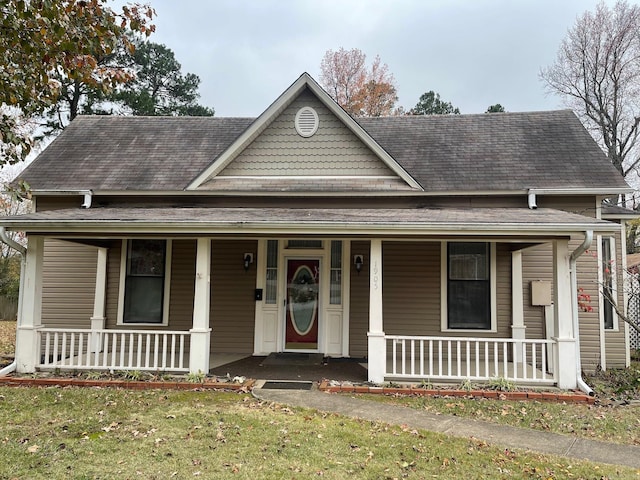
[201, 333]
[565, 360]
[377, 355]
[30, 318]
[98, 319]
[517, 303]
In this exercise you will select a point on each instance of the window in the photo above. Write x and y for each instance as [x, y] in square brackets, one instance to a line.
[310, 244]
[335, 296]
[608, 283]
[468, 286]
[272, 272]
[143, 283]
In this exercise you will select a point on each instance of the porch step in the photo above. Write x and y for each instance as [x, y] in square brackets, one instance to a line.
[293, 359]
[276, 385]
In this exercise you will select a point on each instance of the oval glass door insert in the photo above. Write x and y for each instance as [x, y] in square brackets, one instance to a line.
[303, 300]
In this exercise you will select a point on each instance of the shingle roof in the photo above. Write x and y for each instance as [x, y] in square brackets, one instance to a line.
[513, 221]
[507, 151]
[132, 153]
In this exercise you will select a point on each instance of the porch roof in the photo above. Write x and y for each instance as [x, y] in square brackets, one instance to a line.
[317, 221]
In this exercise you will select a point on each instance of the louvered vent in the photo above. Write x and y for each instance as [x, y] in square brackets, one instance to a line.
[306, 122]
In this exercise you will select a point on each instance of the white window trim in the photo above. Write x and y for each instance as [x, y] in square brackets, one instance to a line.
[444, 314]
[614, 282]
[167, 287]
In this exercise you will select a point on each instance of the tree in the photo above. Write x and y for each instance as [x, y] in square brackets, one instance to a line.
[430, 104]
[597, 73]
[159, 87]
[10, 204]
[360, 91]
[497, 108]
[39, 40]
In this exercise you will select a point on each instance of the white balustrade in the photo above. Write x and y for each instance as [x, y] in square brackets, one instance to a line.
[151, 350]
[461, 358]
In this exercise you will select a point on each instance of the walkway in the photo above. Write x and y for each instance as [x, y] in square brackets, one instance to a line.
[506, 436]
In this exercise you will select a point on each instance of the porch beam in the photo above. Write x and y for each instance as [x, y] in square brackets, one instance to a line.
[376, 352]
[30, 317]
[565, 360]
[200, 331]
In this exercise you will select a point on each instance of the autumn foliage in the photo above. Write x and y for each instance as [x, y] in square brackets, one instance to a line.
[361, 91]
[40, 41]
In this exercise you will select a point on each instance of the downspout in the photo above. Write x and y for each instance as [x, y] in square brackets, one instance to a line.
[584, 246]
[23, 252]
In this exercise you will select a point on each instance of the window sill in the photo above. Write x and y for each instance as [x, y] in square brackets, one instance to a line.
[468, 330]
[139, 324]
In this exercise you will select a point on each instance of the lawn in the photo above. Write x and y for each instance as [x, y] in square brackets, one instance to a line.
[108, 433]
[615, 417]
[607, 422]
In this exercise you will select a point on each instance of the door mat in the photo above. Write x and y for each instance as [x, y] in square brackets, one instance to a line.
[287, 385]
[294, 359]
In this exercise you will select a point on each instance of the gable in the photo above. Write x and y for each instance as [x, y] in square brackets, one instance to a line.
[275, 155]
[332, 151]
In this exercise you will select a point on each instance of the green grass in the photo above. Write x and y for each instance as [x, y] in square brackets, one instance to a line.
[614, 418]
[620, 424]
[108, 433]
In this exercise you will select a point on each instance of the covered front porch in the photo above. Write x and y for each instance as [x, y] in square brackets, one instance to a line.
[437, 359]
[403, 336]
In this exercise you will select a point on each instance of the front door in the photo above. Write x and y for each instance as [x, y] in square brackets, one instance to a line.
[303, 283]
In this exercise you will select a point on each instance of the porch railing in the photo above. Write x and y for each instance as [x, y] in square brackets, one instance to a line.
[86, 349]
[460, 358]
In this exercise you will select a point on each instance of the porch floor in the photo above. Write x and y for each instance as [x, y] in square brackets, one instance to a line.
[341, 369]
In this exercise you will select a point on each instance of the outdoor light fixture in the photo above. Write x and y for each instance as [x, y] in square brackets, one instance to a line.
[248, 260]
[358, 261]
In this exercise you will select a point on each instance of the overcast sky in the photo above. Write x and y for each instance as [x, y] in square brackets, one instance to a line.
[474, 53]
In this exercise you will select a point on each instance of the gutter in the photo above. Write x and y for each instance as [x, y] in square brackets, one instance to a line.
[23, 253]
[584, 246]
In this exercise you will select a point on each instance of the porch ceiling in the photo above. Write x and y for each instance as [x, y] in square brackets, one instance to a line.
[518, 222]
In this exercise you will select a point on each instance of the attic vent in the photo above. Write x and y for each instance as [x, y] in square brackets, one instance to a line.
[306, 122]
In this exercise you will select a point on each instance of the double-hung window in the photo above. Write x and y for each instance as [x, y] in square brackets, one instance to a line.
[468, 284]
[142, 298]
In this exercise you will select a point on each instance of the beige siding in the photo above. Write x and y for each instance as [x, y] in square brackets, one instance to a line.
[183, 275]
[582, 205]
[537, 264]
[280, 151]
[113, 282]
[411, 288]
[232, 297]
[58, 202]
[359, 303]
[589, 322]
[69, 282]
[615, 347]
[412, 292]
[503, 290]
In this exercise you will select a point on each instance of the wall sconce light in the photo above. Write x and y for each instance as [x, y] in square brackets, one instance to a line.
[358, 261]
[248, 260]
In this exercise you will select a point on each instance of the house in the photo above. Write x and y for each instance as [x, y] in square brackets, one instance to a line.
[438, 247]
